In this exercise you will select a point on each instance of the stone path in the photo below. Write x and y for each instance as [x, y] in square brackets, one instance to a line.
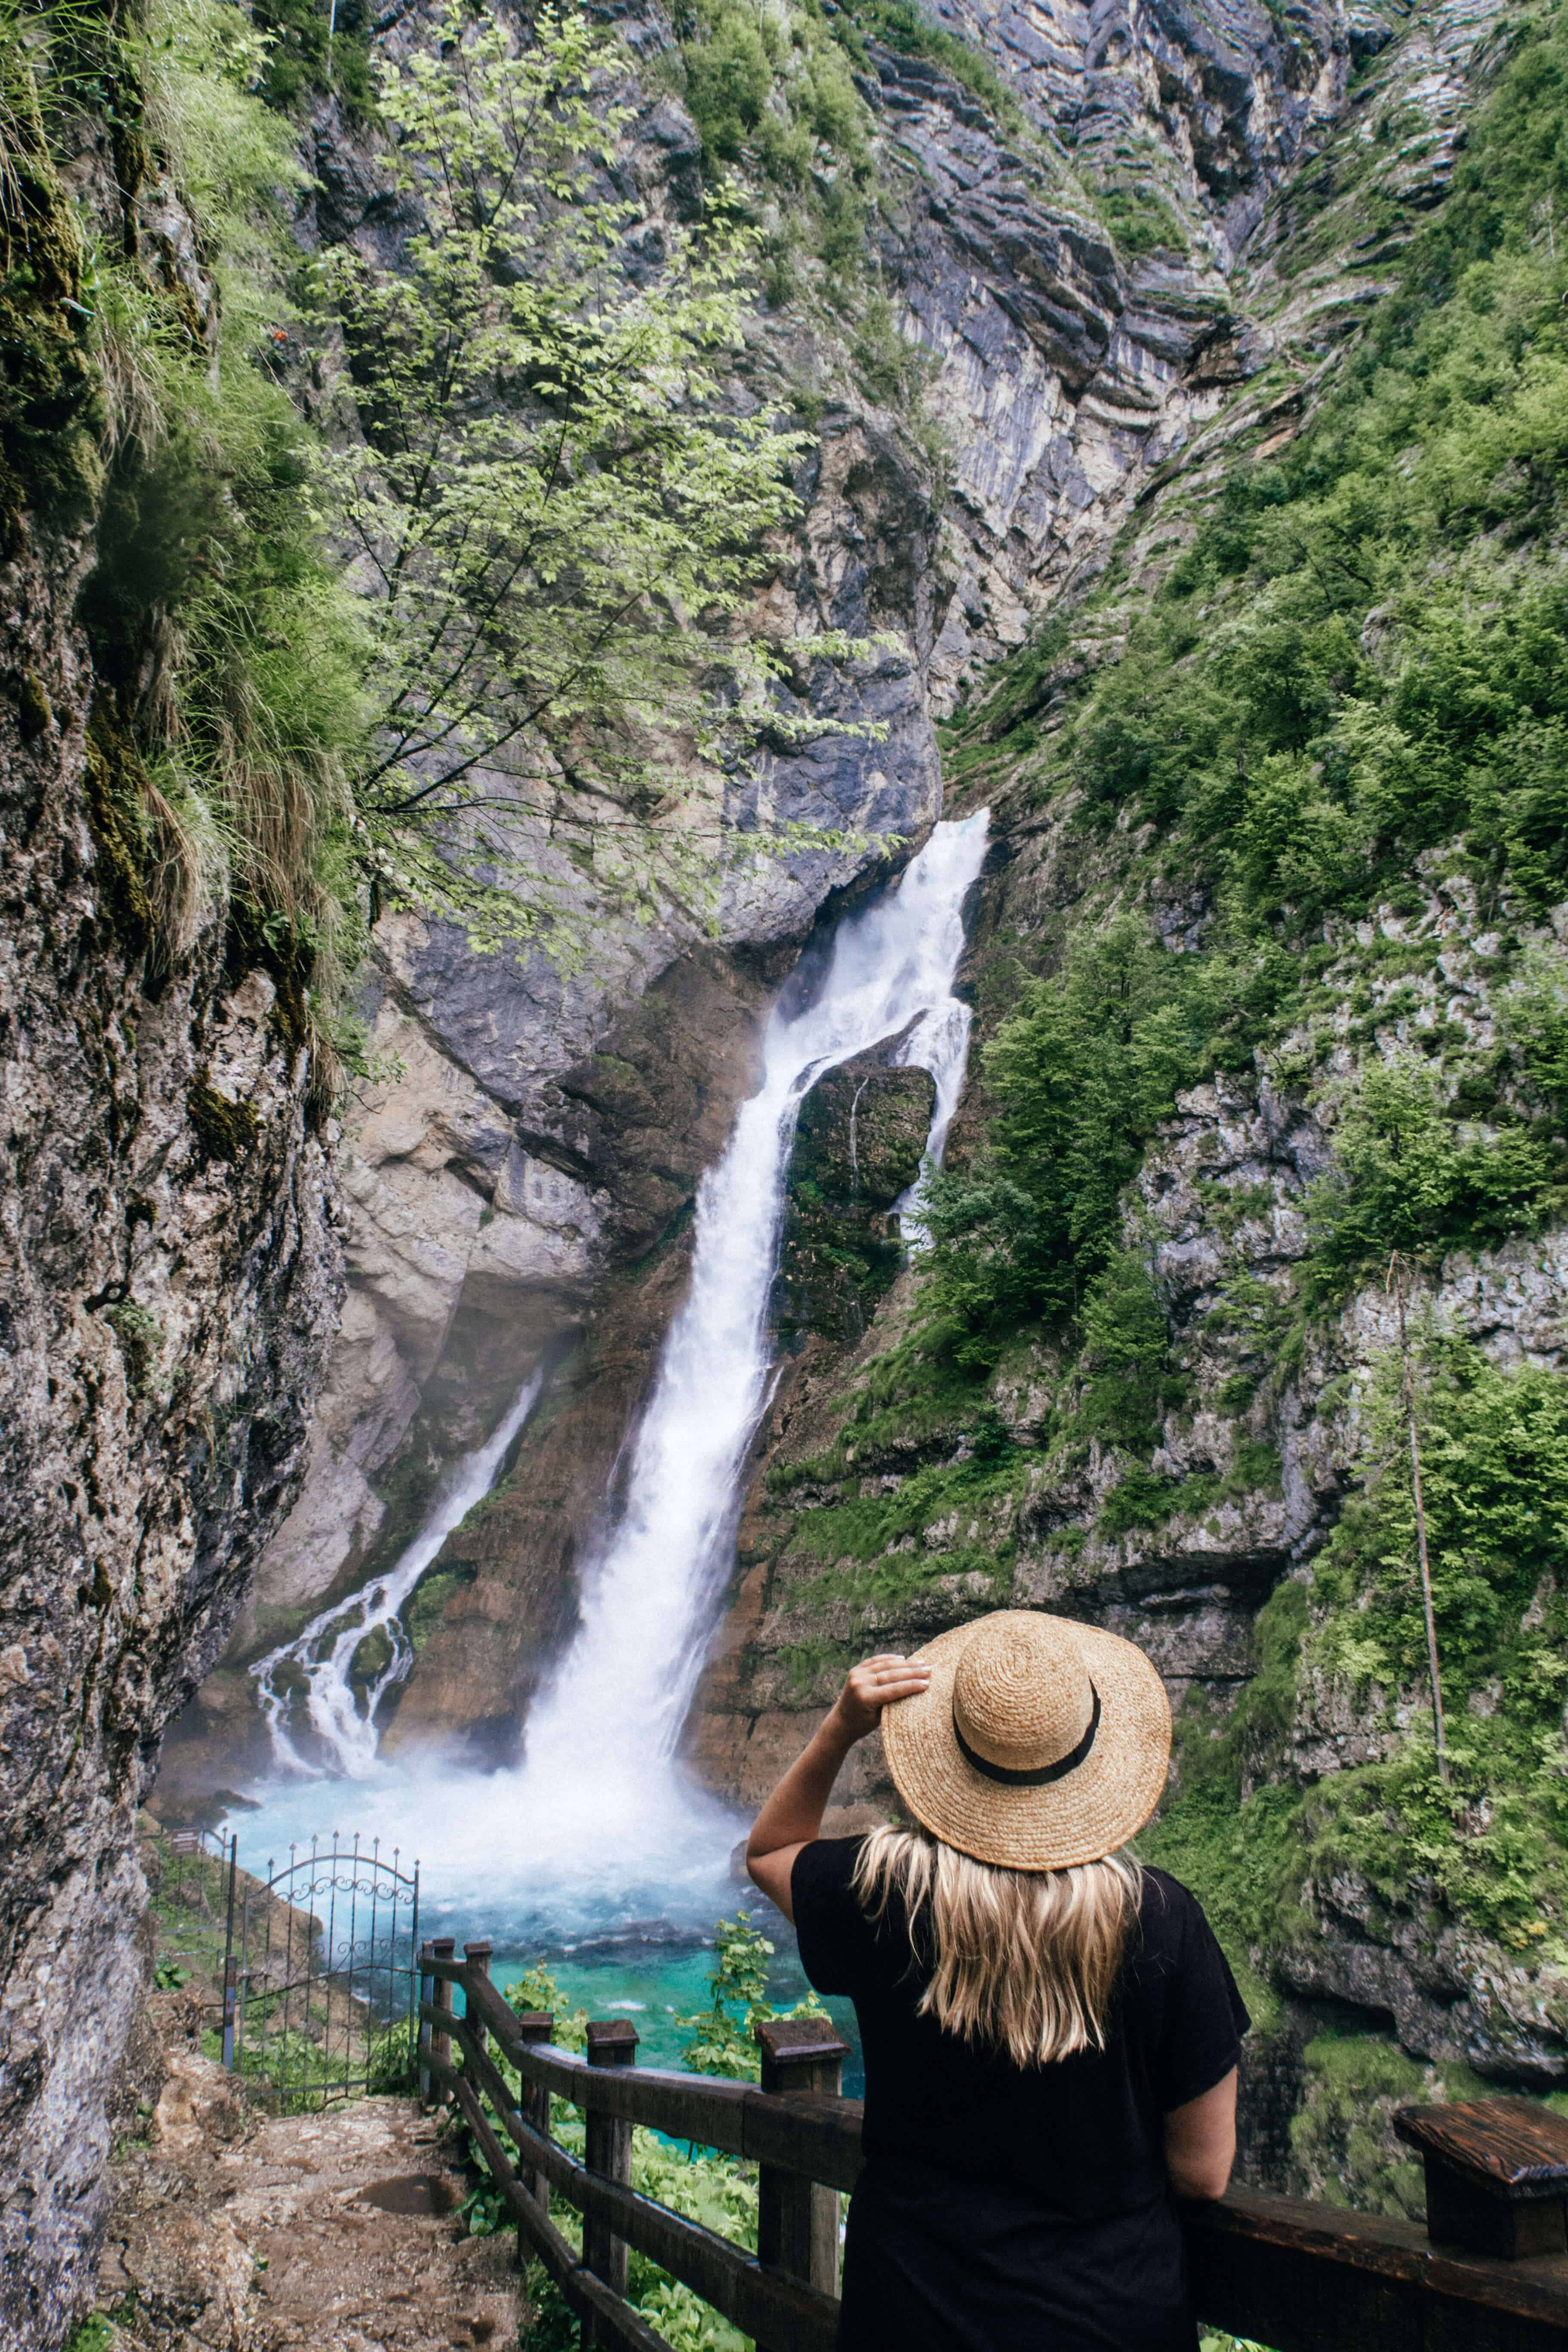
[316, 2234]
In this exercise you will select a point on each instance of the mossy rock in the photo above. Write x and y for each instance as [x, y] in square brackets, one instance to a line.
[141, 1337]
[51, 407]
[372, 1658]
[427, 1604]
[111, 781]
[858, 1145]
[862, 1132]
[225, 1130]
[34, 715]
[1343, 2150]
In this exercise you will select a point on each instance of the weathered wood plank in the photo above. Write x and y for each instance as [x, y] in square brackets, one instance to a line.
[1276, 2272]
[1514, 2146]
[442, 1950]
[1300, 2277]
[612, 2043]
[797, 2218]
[804, 2132]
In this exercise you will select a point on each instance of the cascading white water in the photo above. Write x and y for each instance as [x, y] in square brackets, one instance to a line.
[615, 1711]
[342, 1720]
[600, 1822]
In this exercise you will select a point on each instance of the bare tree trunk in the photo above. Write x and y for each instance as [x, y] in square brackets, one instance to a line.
[1396, 1275]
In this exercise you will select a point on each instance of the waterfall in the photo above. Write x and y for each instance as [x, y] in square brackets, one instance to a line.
[324, 1653]
[615, 1711]
[854, 1155]
[601, 1824]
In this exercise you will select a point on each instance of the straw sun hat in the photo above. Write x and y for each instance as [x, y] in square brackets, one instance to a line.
[1037, 1743]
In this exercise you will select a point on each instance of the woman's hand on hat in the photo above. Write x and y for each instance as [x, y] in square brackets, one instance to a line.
[875, 1685]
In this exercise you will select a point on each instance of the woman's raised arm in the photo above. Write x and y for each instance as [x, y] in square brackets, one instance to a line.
[793, 1814]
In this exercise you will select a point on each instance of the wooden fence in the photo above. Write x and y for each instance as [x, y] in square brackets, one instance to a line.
[1295, 2276]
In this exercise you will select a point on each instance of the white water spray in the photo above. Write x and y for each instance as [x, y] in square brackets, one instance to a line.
[600, 1824]
[324, 1653]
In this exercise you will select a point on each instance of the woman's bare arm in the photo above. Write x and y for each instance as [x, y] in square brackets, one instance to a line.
[1200, 2142]
[793, 1814]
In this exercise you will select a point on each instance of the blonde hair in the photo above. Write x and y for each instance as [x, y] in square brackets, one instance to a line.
[1025, 1960]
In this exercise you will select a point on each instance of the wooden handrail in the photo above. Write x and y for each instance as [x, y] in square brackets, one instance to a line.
[799, 2132]
[1314, 2278]
[734, 2283]
[1272, 2270]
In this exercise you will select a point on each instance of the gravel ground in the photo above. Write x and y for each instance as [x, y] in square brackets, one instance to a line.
[335, 2233]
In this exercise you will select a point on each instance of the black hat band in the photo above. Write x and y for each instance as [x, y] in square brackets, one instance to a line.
[1046, 1773]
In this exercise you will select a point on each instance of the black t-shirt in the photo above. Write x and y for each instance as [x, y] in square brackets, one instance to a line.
[1003, 2205]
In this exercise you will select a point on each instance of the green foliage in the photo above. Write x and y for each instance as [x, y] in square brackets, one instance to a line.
[911, 33]
[1357, 657]
[1343, 2148]
[728, 80]
[536, 1992]
[558, 519]
[554, 522]
[51, 405]
[1491, 1847]
[1140, 221]
[214, 771]
[1141, 1498]
[1079, 1078]
[725, 2034]
[1494, 1457]
[1125, 1355]
[317, 45]
[97, 2333]
[712, 2190]
[1244, 1860]
[1356, 661]
[1408, 1176]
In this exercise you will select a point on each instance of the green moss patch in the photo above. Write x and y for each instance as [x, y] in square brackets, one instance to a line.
[224, 1129]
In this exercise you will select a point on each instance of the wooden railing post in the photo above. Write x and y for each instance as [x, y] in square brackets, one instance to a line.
[1497, 2175]
[478, 1957]
[427, 1995]
[797, 2220]
[612, 2041]
[535, 2026]
[445, 1948]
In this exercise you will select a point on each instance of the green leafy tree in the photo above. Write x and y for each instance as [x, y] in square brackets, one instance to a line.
[1077, 1078]
[724, 2033]
[553, 505]
[1408, 1177]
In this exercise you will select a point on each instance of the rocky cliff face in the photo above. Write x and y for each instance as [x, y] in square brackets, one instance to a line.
[170, 1237]
[540, 1133]
[169, 1272]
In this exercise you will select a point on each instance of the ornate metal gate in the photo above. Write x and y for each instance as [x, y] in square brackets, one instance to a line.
[325, 1988]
